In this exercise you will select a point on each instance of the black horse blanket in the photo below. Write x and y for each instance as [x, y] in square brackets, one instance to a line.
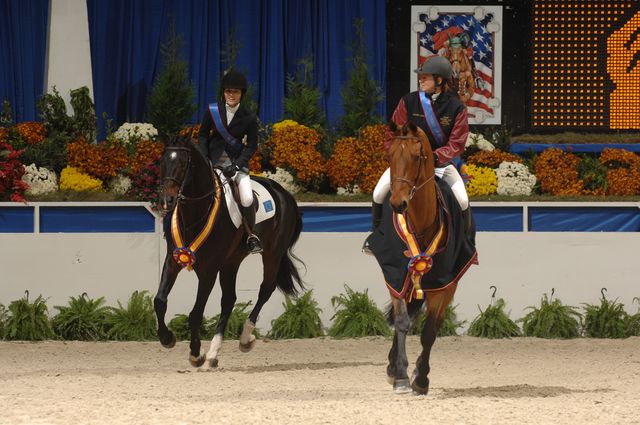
[454, 255]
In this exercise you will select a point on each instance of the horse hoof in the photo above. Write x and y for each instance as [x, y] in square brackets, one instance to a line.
[197, 361]
[172, 341]
[245, 348]
[402, 386]
[391, 380]
[208, 365]
[418, 390]
[213, 363]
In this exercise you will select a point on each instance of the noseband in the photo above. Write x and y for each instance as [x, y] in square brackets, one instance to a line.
[412, 183]
[180, 196]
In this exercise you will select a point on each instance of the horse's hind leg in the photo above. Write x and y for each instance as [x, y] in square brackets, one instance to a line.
[401, 325]
[228, 276]
[170, 272]
[437, 303]
[267, 287]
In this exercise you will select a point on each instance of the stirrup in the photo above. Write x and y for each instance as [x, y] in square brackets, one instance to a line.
[254, 245]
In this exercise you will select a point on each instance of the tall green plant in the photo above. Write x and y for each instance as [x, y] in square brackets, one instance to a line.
[238, 316]
[361, 94]
[170, 105]
[493, 322]
[357, 315]
[4, 316]
[136, 322]
[180, 327]
[449, 326]
[83, 319]
[28, 321]
[84, 114]
[53, 112]
[302, 102]
[301, 319]
[6, 116]
[552, 320]
[607, 320]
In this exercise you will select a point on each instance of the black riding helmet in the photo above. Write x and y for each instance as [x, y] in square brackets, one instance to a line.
[436, 65]
[234, 80]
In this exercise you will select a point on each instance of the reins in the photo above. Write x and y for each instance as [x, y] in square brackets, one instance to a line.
[411, 183]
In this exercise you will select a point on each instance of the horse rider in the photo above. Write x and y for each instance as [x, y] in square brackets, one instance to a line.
[224, 127]
[433, 100]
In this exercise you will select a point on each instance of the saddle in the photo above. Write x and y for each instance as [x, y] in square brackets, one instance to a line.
[263, 200]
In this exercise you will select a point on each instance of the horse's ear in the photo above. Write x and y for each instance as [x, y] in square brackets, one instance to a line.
[412, 128]
[392, 126]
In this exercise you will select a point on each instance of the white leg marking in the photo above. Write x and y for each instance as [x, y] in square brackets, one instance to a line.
[247, 330]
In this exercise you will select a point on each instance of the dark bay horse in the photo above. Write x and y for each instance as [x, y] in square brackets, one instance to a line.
[190, 184]
[434, 255]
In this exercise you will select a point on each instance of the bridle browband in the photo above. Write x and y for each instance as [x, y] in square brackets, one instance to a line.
[422, 157]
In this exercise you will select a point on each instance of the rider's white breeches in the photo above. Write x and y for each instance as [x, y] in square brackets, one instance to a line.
[244, 187]
[448, 174]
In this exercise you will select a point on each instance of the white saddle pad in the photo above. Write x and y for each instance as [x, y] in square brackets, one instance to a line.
[266, 205]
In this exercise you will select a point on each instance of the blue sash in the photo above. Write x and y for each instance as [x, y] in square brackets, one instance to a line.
[432, 120]
[217, 120]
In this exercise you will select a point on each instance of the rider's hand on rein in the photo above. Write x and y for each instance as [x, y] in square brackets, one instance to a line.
[230, 171]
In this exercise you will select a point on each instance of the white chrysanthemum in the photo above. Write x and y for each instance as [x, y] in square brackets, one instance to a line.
[353, 190]
[119, 184]
[132, 133]
[478, 141]
[514, 179]
[40, 180]
[285, 179]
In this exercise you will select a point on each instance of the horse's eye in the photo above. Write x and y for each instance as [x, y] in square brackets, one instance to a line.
[417, 157]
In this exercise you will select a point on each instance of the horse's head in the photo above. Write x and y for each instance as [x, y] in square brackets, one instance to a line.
[411, 164]
[174, 168]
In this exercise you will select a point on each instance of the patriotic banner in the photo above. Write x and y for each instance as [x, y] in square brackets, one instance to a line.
[471, 39]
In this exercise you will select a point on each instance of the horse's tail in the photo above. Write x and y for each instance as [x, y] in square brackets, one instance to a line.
[413, 308]
[288, 275]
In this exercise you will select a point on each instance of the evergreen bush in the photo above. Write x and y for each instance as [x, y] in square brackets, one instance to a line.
[28, 321]
[302, 102]
[301, 319]
[552, 320]
[170, 105]
[83, 319]
[361, 94]
[356, 316]
[136, 322]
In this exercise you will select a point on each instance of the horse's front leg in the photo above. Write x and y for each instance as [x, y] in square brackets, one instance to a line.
[401, 324]
[437, 303]
[170, 272]
[228, 276]
[206, 280]
[391, 367]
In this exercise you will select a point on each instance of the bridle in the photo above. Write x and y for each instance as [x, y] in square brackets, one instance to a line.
[422, 158]
[180, 197]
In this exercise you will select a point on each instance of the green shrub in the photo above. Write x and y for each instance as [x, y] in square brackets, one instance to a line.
[136, 322]
[83, 319]
[4, 316]
[356, 316]
[633, 322]
[84, 114]
[238, 316]
[449, 326]
[493, 323]
[301, 319]
[180, 327]
[607, 320]
[28, 321]
[552, 320]
[302, 102]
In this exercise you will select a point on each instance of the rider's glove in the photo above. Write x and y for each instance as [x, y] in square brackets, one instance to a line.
[230, 171]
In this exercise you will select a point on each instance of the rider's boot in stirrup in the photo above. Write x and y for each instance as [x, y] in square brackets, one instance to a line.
[253, 242]
[376, 218]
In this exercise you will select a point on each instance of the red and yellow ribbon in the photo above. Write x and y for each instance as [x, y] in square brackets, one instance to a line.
[185, 256]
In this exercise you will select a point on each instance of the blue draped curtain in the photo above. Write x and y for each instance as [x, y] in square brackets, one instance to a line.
[272, 35]
[23, 46]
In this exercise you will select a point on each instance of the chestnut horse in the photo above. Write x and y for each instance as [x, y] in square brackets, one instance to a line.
[426, 209]
[190, 184]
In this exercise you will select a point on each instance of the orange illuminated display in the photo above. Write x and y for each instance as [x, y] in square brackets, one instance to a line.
[586, 64]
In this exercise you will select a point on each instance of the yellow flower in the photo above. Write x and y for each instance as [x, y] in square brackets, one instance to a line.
[483, 181]
[72, 179]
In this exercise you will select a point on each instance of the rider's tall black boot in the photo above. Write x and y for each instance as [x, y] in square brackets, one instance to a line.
[253, 242]
[376, 218]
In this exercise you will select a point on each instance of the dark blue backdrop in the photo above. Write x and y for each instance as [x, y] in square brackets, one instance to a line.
[23, 44]
[273, 35]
